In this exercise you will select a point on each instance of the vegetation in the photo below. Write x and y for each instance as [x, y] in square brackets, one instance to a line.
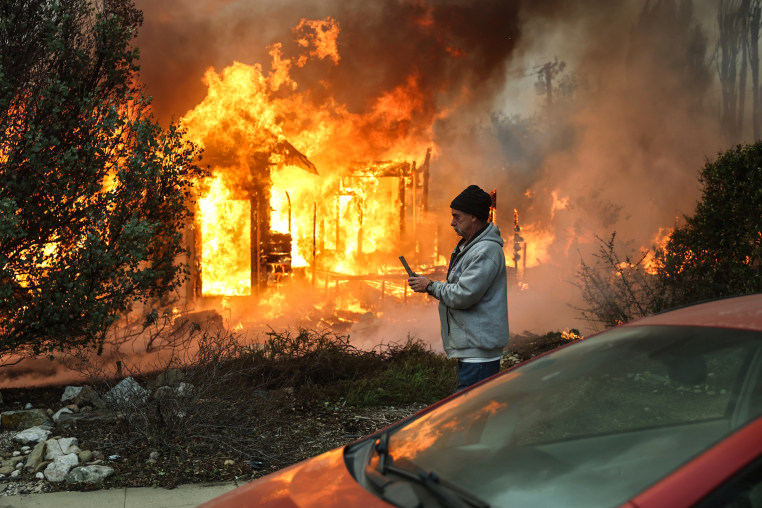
[716, 253]
[226, 400]
[221, 410]
[616, 287]
[93, 192]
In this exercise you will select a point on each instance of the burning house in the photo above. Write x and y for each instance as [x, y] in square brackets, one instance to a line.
[241, 244]
[295, 192]
[309, 192]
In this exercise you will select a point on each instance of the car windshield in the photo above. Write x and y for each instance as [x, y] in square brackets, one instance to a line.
[595, 423]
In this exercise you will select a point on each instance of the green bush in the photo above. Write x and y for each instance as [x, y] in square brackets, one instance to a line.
[322, 366]
[409, 373]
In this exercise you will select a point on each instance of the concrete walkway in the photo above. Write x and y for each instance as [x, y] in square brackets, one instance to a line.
[133, 497]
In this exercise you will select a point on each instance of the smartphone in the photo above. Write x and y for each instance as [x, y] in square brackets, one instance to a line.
[410, 272]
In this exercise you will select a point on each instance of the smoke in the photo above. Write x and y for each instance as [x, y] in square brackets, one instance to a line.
[614, 145]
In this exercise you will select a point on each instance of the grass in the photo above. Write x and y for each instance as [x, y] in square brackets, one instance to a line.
[326, 367]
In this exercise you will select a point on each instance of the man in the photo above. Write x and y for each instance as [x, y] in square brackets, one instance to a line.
[473, 302]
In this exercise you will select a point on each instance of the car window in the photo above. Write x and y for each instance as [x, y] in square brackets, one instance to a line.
[633, 392]
[595, 423]
[744, 490]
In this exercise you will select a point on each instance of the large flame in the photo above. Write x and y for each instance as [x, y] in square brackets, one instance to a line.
[225, 242]
[318, 166]
[339, 183]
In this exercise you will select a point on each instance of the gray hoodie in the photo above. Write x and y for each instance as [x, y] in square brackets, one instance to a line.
[473, 303]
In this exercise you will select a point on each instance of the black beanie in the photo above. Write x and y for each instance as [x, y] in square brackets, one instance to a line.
[473, 200]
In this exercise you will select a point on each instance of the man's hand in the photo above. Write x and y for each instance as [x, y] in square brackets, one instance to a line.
[419, 284]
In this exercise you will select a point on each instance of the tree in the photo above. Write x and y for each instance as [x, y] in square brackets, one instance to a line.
[94, 193]
[667, 40]
[718, 252]
[739, 24]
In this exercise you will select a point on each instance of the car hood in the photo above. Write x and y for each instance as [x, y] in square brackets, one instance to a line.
[321, 481]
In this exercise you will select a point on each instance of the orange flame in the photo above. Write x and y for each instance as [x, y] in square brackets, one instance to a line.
[260, 132]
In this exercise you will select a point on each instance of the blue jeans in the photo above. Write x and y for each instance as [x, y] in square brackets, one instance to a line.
[473, 372]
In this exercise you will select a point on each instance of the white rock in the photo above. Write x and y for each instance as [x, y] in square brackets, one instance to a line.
[127, 390]
[60, 467]
[61, 411]
[184, 389]
[89, 474]
[40, 476]
[32, 435]
[70, 392]
[16, 453]
[16, 473]
[28, 405]
[57, 447]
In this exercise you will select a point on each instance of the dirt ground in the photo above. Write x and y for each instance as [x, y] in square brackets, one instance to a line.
[279, 430]
[288, 432]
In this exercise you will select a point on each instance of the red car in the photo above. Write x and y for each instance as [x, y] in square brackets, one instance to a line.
[665, 411]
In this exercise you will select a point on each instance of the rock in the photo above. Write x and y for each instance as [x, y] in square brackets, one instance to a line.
[209, 320]
[70, 392]
[23, 419]
[12, 462]
[16, 473]
[6, 470]
[63, 446]
[61, 411]
[163, 392]
[69, 421]
[170, 377]
[16, 453]
[229, 462]
[36, 456]
[127, 390]
[39, 476]
[81, 396]
[181, 390]
[60, 467]
[32, 435]
[85, 456]
[89, 474]
[184, 389]
[154, 455]
[26, 449]
[28, 405]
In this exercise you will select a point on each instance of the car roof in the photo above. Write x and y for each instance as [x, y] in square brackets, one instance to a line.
[742, 312]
